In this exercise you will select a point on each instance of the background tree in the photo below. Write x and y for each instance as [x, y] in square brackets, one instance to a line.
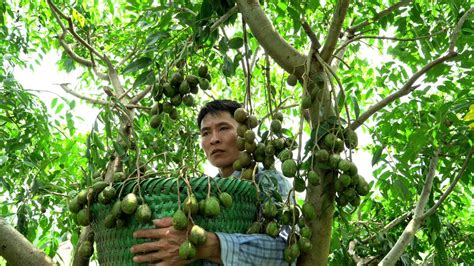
[412, 103]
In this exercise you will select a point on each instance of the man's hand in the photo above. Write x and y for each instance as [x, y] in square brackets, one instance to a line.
[166, 247]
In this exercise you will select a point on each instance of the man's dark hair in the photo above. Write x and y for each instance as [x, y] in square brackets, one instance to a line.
[217, 106]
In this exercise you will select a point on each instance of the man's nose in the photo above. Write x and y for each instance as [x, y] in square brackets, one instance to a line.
[215, 138]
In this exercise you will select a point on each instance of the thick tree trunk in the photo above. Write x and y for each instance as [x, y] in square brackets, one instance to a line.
[17, 250]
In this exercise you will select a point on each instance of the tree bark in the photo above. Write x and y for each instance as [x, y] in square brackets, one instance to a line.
[17, 250]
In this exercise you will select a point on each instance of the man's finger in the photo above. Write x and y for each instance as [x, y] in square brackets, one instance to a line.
[150, 257]
[147, 233]
[146, 247]
[164, 222]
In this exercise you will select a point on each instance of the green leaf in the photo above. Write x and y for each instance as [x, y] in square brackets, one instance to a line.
[236, 43]
[376, 156]
[137, 65]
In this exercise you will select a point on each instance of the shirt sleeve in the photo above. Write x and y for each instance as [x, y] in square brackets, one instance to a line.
[254, 249]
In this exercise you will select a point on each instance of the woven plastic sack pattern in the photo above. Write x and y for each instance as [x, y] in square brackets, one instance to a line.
[113, 245]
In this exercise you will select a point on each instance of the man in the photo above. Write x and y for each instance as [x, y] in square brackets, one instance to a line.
[218, 139]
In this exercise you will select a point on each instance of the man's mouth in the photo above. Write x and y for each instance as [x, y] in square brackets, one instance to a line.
[216, 151]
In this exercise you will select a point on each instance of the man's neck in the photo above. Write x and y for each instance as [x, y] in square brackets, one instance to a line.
[226, 172]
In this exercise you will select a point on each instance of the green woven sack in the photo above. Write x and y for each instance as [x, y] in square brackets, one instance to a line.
[113, 245]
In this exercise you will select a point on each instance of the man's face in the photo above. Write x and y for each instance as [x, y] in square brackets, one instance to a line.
[218, 139]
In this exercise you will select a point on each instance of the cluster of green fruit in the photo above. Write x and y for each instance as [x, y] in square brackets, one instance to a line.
[253, 151]
[349, 185]
[209, 207]
[178, 90]
[275, 215]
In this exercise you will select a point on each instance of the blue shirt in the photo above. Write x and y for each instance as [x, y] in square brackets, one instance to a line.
[256, 249]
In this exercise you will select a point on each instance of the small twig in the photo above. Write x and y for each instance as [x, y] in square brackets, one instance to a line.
[224, 17]
[312, 36]
[457, 30]
[451, 187]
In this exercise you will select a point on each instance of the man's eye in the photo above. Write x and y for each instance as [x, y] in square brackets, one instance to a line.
[204, 134]
[224, 128]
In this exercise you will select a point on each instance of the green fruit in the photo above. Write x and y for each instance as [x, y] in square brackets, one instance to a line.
[268, 162]
[176, 100]
[344, 165]
[202, 71]
[212, 207]
[346, 180]
[102, 199]
[272, 229]
[286, 217]
[287, 255]
[330, 140]
[184, 87]
[338, 145]
[82, 196]
[350, 139]
[187, 250]
[269, 150]
[74, 205]
[260, 150]
[304, 244]
[278, 116]
[352, 169]
[252, 121]
[197, 235]
[119, 176]
[129, 203]
[289, 168]
[167, 107]
[155, 121]
[299, 185]
[176, 79]
[86, 249]
[334, 160]
[188, 100]
[285, 155]
[247, 174]
[241, 129]
[109, 192]
[109, 221]
[355, 201]
[245, 159]
[225, 199]
[84, 217]
[306, 102]
[202, 204]
[116, 209]
[143, 213]
[313, 178]
[174, 115]
[204, 84]
[321, 155]
[309, 212]
[180, 221]
[236, 165]
[295, 250]
[191, 205]
[269, 210]
[292, 80]
[240, 115]
[155, 109]
[249, 135]
[99, 186]
[339, 186]
[192, 80]
[279, 143]
[275, 126]
[254, 228]
[169, 90]
[306, 232]
[250, 146]
[363, 187]
[240, 143]
[349, 193]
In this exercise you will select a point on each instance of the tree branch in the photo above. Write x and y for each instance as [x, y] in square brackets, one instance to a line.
[284, 54]
[312, 36]
[334, 30]
[86, 235]
[388, 226]
[359, 260]
[378, 16]
[224, 18]
[405, 90]
[141, 95]
[17, 250]
[65, 87]
[451, 187]
[457, 30]
[406, 237]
